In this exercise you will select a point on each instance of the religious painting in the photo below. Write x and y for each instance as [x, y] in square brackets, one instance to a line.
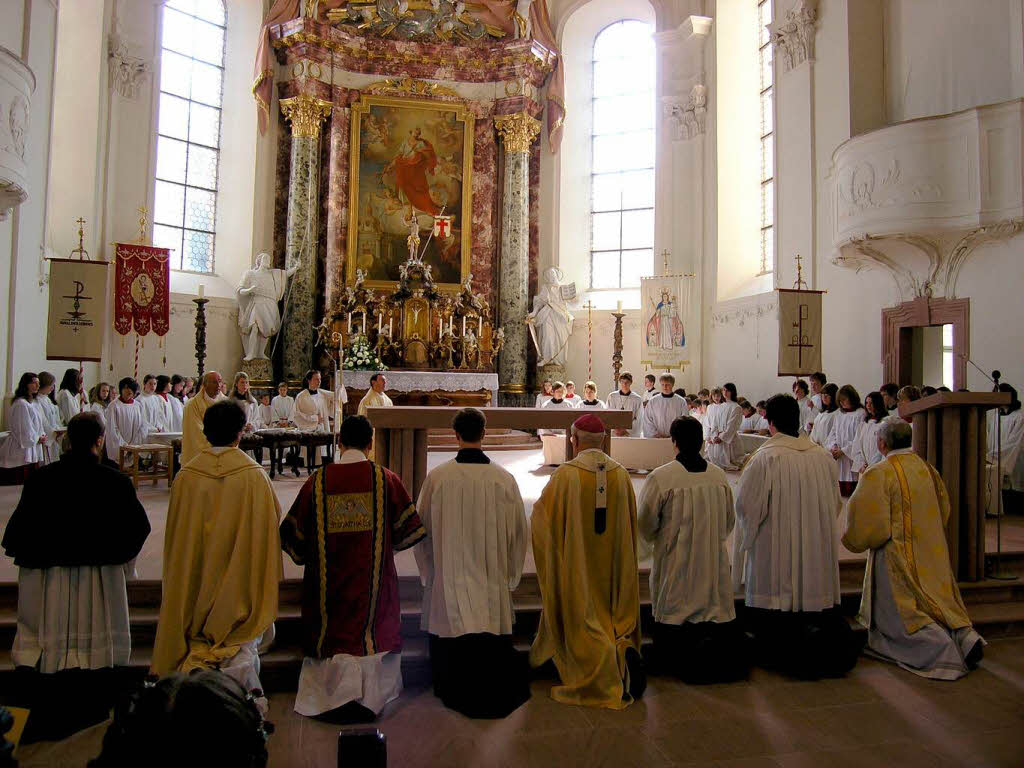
[663, 306]
[410, 189]
[799, 332]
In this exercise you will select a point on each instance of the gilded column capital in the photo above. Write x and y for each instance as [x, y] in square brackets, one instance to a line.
[517, 131]
[305, 113]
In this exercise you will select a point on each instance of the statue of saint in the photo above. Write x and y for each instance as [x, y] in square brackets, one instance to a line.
[550, 321]
[258, 316]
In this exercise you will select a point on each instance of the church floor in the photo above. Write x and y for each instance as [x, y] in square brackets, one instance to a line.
[878, 715]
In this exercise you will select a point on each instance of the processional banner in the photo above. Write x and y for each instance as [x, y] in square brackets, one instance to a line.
[799, 332]
[142, 289]
[663, 305]
[78, 308]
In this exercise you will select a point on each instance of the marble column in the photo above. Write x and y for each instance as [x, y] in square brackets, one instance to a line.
[518, 132]
[305, 113]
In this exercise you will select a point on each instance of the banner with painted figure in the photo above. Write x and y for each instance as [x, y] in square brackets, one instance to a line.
[78, 307]
[799, 332]
[142, 289]
[663, 306]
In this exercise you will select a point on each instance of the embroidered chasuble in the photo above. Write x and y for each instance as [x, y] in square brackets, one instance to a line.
[345, 526]
[193, 441]
[585, 547]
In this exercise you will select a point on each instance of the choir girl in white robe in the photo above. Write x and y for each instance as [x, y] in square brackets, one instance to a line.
[176, 401]
[544, 395]
[865, 442]
[50, 415]
[241, 394]
[23, 447]
[825, 417]
[99, 398]
[590, 401]
[800, 392]
[625, 399]
[125, 423]
[662, 410]
[470, 562]
[70, 395]
[281, 406]
[841, 438]
[721, 425]
[557, 402]
[154, 407]
[753, 422]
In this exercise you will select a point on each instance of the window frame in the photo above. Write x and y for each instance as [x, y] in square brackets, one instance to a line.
[767, 224]
[185, 185]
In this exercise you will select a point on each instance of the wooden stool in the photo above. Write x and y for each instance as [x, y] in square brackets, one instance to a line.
[134, 452]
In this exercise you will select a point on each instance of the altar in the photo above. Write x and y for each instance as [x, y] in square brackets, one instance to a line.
[461, 388]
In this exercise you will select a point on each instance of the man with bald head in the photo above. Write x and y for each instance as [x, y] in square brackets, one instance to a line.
[584, 545]
[193, 441]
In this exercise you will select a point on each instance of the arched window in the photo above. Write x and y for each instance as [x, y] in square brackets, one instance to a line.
[767, 86]
[622, 160]
[188, 132]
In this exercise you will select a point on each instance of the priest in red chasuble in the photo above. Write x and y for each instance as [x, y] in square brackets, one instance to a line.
[415, 158]
[345, 526]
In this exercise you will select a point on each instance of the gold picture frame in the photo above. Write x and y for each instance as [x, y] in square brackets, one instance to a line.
[408, 158]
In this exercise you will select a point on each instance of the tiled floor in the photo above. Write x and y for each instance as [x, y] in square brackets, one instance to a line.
[879, 715]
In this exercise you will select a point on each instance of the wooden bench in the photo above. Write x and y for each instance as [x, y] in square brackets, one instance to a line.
[129, 462]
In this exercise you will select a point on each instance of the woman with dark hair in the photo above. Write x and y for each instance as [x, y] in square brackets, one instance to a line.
[23, 448]
[865, 451]
[71, 395]
[47, 406]
[176, 402]
[208, 707]
[843, 434]
[823, 420]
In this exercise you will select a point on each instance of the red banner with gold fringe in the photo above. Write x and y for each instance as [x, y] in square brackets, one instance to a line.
[142, 289]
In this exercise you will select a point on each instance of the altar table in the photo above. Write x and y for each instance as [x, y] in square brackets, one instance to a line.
[426, 382]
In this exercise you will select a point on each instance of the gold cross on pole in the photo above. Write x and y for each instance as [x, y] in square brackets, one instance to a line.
[664, 256]
[799, 274]
[142, 224]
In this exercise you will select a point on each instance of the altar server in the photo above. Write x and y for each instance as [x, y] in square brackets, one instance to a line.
[100, 397]
[890, 399]
[786, 551]
[266, 413]
[685, 512]
[469, 564]
[865, 442]
[841, 439]
[347, 523]
[154, 408]
[544, 395]
[818, 382]
[625, 399]
[176, 401]
[590, 401]
[721, 425]
[23, 447]
[281, 406]
[800, 392]
[125, 422]
[911, 604]
[584, 535]
[241, 394]
[193, 438]
[826, 415]
[663, 409]
[50, 415]
[557, 402]
[71, 395]
[222, 558]
[753, 422]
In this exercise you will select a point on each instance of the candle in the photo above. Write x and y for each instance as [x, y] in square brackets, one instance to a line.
[480, 327]
[202, 290]
[391, 328]
[350, 322]
[463, 325]
[618, 307]
[450, 318]
[380, 321]
[364, 322]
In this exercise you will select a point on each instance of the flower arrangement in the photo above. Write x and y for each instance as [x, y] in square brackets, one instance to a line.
[362, 357]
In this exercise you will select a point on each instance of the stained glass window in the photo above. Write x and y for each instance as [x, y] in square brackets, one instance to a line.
[188, 131]
[622, 160]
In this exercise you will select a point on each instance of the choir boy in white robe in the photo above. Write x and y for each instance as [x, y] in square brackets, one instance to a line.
[650, 387]
[890, 396]
[544, 395]
[753, 422]
[841, 439]
[625, 399]
[281, 406]
[800, 392]
[469, 564]
[570, 394]
[557, 402]
[164, 408]
[125, 422]
[22, 450]
[721, 425]
[266, 413]
[312, 412]
[825, 416]
[818, 382]
[152, 405]
[1009, 450]
[786, 551]
[50, 415]
[73, 536]
[590, 401]
[685, 512]
[71, 395]
[661, 411]
[865, 442]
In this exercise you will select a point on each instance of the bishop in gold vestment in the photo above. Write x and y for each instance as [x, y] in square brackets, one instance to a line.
[911, 604]
[585, 547]
[193, 441]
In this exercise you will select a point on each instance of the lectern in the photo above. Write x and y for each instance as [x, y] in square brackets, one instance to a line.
[949, 433]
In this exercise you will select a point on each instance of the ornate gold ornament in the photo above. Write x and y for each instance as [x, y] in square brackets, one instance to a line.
[517, 131]
[305, 113]
[411, 87]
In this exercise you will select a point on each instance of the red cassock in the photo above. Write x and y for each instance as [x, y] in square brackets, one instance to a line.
[344, 527]
[411, 176]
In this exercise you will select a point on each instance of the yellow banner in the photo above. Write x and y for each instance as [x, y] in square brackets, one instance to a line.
[799, 332]
[78, 307]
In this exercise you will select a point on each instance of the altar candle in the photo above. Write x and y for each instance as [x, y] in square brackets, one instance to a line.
[391, 328]
[350, 322]
[364, 322]
[450, 318]
[463, 325]
[380, 321]
[618, 307]
[480, 327]
[202, 290]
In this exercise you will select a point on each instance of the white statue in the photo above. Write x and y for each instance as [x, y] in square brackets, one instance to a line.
[550, 321]
[258, 316]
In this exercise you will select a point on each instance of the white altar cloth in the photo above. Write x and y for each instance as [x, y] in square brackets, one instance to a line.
[428, 381]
